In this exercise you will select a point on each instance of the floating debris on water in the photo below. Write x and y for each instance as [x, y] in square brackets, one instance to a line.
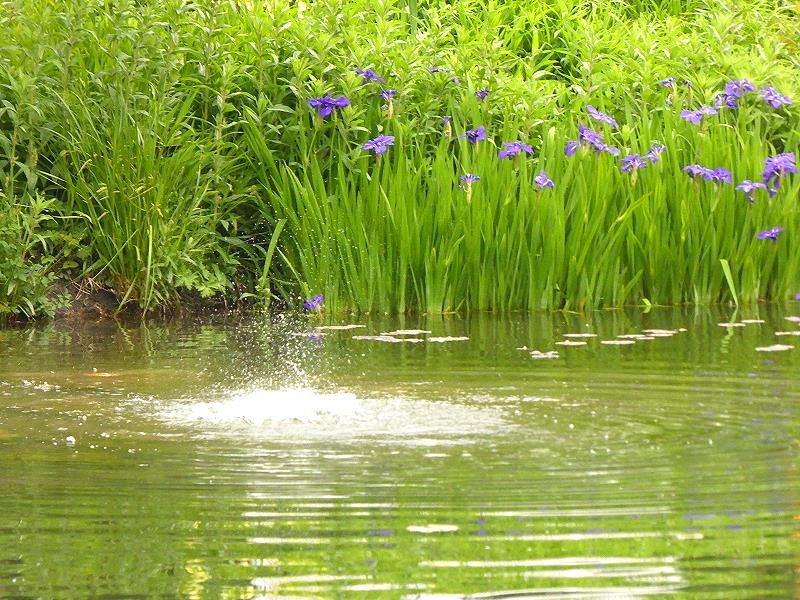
[788, 332]
[617, 342]
[338, 327]
[387, 338]
[793, 319]
[448, 338]
[775, 348]
[753, 321]
[571, 343]
[551, 354]
[580, 335]
[407, 332]
[662, 332]
[376, 338]
[731, 324]
[70, 440]
[432, 528]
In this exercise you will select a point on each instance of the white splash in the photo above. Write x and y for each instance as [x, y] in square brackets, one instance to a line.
[302, 413]
[260, 406]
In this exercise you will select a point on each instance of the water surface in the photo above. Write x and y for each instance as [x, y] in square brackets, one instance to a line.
[263, 458]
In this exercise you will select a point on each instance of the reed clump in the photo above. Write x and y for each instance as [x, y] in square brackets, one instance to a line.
[399, 156]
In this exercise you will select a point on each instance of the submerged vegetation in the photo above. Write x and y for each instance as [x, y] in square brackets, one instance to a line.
[399, 155]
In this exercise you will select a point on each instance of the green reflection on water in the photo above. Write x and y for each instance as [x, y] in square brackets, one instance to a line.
[668, 467]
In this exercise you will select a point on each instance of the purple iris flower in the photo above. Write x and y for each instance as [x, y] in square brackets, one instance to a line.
[595, 140]
[602, 117]
[667, 83]
[720, 175]
[734, 90]
[571, 147]
[632, 162]
[475, 135]
[467, 179]
[774, 98]
[514, 148]
[590, 138]
[691, 116]
[448, 129]
[326, 105]
[749, 187]
[695, 116]
[388, 95]
[737, 87]
[776, 167]
[695, 171]
[315, 303]
[543, 181]
[380, 144]
[370, 75]
[727, 100]
[655, 152]
[770, 234]
[482, 94]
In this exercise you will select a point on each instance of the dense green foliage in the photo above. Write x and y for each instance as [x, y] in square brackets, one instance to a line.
[167, 149]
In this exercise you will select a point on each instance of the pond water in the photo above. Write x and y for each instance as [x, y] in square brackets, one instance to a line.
[252, 458]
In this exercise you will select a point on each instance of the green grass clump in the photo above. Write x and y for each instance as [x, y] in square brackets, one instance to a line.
[25, 273]
[179, 155]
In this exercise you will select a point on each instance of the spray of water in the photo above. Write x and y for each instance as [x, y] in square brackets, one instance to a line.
[281, 385]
